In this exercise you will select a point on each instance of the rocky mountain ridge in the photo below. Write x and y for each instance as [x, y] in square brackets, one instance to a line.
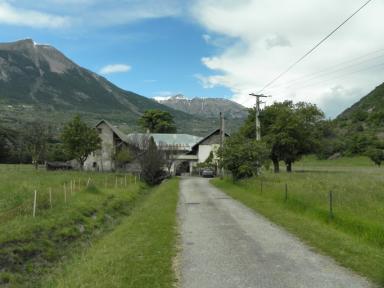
[205, 107]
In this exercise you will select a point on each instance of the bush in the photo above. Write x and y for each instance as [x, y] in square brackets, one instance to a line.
[244, 157]
[376, 155]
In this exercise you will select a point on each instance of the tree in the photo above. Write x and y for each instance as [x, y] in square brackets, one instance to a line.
[123, 156]
[79, 140]
[243, 156]
[157, 121]
[152, 162]
[36, 136]
[290, 130]
[7, 141]
[150, 158]
[376, 155]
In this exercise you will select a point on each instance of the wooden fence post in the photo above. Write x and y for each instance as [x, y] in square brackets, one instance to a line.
[34, 204]
[286, 192]
[50, 197]
[65, 193]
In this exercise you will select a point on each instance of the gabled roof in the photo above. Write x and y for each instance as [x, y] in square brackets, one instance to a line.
[206, 137]
[115, 130]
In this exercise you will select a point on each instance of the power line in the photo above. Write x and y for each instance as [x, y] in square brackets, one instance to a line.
[354, 62]
[372, 67]
[313, 49]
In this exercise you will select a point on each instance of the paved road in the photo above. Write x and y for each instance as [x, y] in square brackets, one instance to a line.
[226, 245]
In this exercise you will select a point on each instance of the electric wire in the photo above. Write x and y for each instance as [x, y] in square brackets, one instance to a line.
[313, 48]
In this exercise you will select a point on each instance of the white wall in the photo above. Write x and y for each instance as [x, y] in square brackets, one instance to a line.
[204, 151]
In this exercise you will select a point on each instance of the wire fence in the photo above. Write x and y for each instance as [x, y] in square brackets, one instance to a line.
[50, 197]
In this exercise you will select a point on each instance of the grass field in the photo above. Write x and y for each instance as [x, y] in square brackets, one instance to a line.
[79, 215]
[138, 253]
[355, 234]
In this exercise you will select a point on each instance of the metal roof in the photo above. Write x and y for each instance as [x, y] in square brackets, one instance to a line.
[183, 141]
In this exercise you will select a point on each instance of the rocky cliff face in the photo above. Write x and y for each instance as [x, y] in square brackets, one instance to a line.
[205, 107]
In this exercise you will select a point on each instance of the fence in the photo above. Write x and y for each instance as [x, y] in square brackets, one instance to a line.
[281, 190]
[51, 197]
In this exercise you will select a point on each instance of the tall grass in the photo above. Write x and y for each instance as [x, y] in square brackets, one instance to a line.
[356, 229]
[31, 247]
[18, 183]
[138, 253]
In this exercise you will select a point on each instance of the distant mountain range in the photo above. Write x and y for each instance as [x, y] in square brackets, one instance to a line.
[40, 81]
[205, 107]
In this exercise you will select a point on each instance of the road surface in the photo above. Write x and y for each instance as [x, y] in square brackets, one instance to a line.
[226, 245]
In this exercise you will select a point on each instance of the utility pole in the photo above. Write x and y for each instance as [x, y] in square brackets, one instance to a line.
[222, 137]
[257, 108]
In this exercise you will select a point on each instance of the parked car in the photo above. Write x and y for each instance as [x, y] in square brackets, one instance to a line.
[208, 173]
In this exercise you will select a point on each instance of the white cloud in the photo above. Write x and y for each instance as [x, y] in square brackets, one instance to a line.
[266, 36]
[99, 13]
[11, 15]
[115, 68]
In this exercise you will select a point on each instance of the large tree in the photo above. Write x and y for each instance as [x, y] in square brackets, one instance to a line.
[35, 138]
[151, 160]
[79, 140]
[157, 121]
[290, 130]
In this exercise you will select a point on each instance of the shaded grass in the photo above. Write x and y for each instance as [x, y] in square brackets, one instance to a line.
[138, 253]
[354, 237]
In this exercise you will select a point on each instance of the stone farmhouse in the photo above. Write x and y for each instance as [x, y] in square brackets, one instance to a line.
[188, 150]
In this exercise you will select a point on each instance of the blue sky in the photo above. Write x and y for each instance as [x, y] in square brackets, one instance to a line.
[158, 56]
[212, 48]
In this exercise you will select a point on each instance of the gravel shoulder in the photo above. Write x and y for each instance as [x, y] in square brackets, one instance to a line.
[226, 245]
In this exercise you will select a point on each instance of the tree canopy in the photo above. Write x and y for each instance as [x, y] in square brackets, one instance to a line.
[37, 134]
[290, 130]
[157, 121]
[152, 162]
[79, 140]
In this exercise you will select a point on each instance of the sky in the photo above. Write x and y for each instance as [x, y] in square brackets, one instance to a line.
[214, 48]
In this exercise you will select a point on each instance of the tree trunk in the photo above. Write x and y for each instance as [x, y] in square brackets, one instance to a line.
[35, 164]
[276, 166]
[289, 167]
[81, 163]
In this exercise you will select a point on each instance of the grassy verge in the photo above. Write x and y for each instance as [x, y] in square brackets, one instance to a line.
[138, 253]
[31, 247]
[354, 237]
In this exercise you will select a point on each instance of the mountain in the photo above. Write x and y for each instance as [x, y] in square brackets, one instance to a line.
[38, 81]
[205, 107]
[365, 115]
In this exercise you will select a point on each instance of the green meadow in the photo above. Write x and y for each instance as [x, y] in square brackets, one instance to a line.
[74, 212]
[353, 233]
